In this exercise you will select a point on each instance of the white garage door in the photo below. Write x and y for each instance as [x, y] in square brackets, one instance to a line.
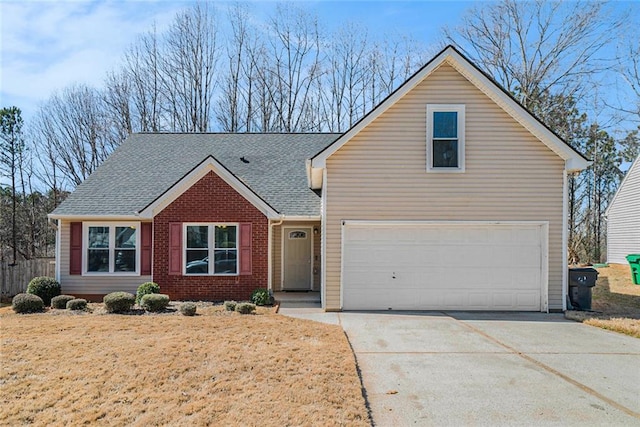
[444, 266]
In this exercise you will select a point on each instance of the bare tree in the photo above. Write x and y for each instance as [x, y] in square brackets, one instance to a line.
[288, 67]
[72, 129]
[189, 67]
[117, 103]
[533, 47]
[629, 67]
[234, 109]
[390, 63]
[343, 95]
[141, 70]
[629, 70]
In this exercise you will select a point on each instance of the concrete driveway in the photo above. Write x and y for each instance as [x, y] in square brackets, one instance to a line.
[455, 369]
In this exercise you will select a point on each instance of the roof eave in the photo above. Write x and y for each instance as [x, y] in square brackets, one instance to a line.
[75, 217]
[578, 164]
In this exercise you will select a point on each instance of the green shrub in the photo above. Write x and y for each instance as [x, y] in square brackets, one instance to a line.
[118, 302]
[154, 302]
[145, 289]
[188, 308]
[245, 308]
[45, 287]
[230, 305]
[261, 297]
[60, 302]
[77, 304]
[27, 303]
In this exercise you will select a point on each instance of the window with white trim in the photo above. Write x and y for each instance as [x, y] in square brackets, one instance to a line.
[210, 249]
[111, 248]
[445, 137]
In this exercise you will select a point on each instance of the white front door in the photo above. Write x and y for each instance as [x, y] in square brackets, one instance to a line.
[296, 265]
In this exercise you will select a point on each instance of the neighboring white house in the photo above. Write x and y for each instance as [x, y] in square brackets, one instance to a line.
[623, 218]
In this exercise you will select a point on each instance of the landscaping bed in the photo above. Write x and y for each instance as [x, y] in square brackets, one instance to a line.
[66, 367]
[615, 304]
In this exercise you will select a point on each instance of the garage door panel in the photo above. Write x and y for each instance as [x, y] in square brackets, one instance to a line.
[477, 300]
[442, 266]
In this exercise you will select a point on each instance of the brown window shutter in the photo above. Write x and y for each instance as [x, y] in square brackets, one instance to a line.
[145, 248]
[245, 248]
[75, 248]
[175, 248]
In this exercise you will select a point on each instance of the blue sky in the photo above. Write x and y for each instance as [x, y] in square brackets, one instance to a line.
[47, 45]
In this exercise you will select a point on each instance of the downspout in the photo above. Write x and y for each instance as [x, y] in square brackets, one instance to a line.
[269, 253]
[323, 242]
[565, 240]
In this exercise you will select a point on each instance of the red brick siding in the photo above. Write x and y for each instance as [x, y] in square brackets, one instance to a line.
[210, 200]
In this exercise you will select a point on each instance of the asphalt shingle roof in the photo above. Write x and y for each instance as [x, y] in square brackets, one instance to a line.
[147, 164]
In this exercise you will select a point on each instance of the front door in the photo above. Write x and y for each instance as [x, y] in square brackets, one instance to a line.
[296, 271]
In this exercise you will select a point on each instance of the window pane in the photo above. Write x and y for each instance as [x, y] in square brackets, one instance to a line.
[445, 124]
[125, 260]
[98, 260]
[225, 236]
[197, 261]
[225, 261]
[297, 235]
[197, 236]
[98, 237]
[125, 237]
[445, 154]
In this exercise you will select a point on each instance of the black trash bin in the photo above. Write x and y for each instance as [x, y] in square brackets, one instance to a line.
[581, 280]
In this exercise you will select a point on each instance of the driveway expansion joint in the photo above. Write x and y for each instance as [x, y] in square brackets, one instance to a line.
[551, 370]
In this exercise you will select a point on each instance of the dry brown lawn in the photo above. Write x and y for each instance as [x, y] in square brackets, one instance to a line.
[616, 302]
[217, 368]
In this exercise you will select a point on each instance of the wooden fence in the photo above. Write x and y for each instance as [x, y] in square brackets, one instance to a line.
[14, 279]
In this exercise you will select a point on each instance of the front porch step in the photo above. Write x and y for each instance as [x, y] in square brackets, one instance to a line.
[298, 297]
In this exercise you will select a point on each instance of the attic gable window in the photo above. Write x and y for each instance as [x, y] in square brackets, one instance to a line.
[445, 138]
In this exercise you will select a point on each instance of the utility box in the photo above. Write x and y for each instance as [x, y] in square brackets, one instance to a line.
[634, 263]
[581, 280]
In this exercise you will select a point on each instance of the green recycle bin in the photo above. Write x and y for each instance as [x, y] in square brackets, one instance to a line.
[634, 263]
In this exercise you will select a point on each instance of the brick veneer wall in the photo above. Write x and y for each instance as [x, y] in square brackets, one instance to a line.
[210, 200]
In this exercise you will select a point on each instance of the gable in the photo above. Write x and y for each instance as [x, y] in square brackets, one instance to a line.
[495, 143]
[451, 57]
[208, 167]
[627, 196]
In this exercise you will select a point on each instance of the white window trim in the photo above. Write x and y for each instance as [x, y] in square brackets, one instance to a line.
[112, 243]
[211, 247]
[460, 109]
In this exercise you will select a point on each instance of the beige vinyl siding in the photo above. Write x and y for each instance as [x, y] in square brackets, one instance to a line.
[381, 174]
[78, 284]
[623, 218]
[276, 257]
